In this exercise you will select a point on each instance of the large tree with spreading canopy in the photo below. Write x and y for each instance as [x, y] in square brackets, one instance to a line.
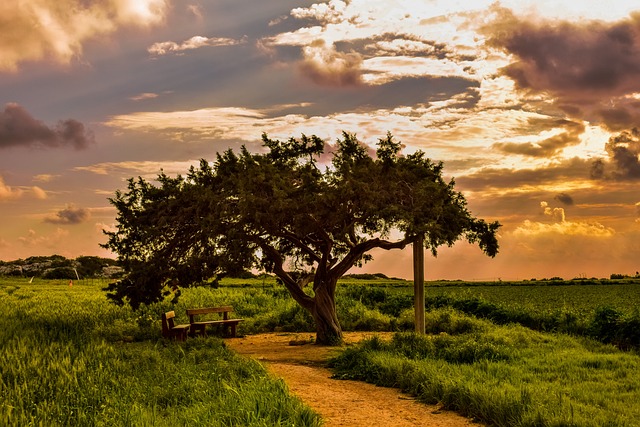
[282, 212]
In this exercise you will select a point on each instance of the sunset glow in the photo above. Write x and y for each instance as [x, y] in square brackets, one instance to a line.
[533, 106]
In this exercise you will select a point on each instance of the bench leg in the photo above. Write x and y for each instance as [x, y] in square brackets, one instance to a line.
[196, 330]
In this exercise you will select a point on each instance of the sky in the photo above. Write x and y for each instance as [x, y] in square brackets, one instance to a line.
[533, 106]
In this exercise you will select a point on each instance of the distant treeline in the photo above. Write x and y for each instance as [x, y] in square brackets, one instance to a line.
[59, 267]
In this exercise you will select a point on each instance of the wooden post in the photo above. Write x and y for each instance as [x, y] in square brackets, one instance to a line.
[418, 283]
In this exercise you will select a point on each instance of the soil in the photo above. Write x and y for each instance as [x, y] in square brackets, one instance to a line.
[301, 364]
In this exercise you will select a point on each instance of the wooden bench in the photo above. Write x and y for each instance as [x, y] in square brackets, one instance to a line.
[199, 327]
[171, 330]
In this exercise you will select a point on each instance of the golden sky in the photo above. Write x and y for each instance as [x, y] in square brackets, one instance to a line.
[532, 105]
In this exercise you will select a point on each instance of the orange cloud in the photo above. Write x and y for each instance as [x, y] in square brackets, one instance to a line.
[57, 29]
[11, 193]
[326, 66]
[6, 192]
[559, 225]
[549, 146]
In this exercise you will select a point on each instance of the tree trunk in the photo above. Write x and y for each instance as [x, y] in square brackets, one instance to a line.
[328, 330]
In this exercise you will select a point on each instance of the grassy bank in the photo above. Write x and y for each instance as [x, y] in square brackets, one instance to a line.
[504, 375]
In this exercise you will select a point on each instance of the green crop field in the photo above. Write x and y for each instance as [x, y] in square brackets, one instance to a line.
[529, 296]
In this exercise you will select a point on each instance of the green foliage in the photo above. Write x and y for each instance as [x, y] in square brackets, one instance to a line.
[612, 326]
[505, 375]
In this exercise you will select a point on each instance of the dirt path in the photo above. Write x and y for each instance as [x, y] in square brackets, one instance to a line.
[339, 402]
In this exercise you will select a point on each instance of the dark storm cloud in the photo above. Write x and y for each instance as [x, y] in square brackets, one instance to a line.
[564, 198]
[19, 128]
[588, 67]
[549, 146]
[571, 58]
[623, 163]
[70, 215]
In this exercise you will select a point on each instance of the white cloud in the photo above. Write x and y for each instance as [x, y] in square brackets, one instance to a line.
[195, 42]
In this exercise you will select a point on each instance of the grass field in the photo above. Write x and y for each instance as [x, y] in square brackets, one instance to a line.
[71, 358]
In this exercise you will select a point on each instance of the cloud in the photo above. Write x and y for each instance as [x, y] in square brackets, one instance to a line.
[570, 173]
[10, 193]
[57, 29]
[70, 215]
[143, 96]
[325, 65]
[54, 240]
[146, 167]
[588, 67]
[624, 158]
[593, 229]
[326, 13]
[557, 224]
[45, 177]
[555, 214]
[548, 147]
[564, 198]
[195, 42]
[374, 42]
[196, 11]
[38, 193]
[19, 128]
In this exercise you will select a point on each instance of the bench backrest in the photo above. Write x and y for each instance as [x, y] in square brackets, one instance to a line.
[225, 310]
[167, 321]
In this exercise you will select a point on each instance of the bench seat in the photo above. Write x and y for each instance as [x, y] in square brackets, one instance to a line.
[199, 327]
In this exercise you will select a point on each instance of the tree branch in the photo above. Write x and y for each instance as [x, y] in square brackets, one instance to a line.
[360, 249]
[292, 286]
[300, 244]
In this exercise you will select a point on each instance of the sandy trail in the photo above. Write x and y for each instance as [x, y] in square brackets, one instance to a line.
[339, 402]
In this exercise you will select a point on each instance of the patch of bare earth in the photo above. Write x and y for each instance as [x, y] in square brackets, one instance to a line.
[340, 402]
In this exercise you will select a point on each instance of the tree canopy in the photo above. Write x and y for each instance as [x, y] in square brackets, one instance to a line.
[283, 212]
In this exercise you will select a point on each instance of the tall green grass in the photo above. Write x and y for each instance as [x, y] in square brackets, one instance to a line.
[68, 357]
[504, 375]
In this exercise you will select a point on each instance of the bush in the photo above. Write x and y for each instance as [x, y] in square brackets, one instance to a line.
[60, 273]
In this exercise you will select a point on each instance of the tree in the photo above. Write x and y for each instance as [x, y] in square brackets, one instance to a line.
[280, 212]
